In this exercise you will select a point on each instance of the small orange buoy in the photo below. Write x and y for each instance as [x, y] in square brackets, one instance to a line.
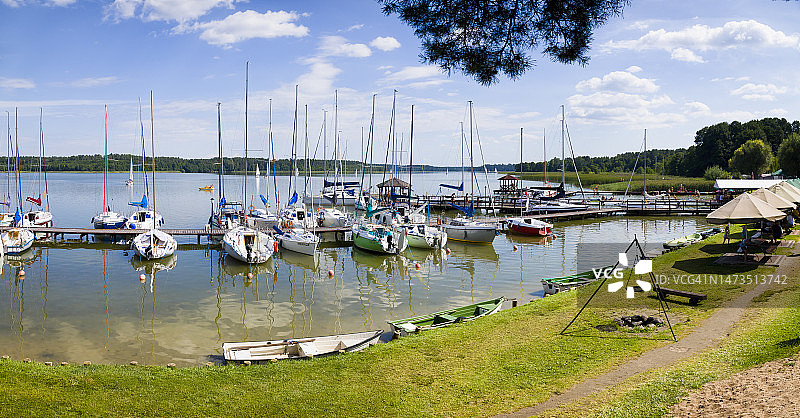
[417, 266]
[330, 273]
[447, 250]
[142, 278]
[249, 276]
[275, 246]
[22, 273]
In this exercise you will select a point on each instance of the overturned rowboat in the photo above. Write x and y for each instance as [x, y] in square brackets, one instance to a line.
[293, 349]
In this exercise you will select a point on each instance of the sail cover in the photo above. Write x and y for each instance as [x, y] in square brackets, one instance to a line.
[459, 188]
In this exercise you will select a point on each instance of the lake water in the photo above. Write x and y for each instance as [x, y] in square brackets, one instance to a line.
[78, 304]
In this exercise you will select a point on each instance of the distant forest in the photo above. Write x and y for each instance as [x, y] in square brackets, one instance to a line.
[714, 146]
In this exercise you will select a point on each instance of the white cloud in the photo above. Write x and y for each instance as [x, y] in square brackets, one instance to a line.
[764, 92]
[11, 3]
[249, 24]
[683, 54]
[337, 46]
[618, 81]
[166, 10]
[697, 107]
[91, 82]
[428, 83]
[385, 43]
[633, 69]
[16, 83]
[61, 3]
[414, 72]
[682, 44]
[354, 27]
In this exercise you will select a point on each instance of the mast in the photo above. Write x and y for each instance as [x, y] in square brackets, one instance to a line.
[520, 153]
[8, 163]
[410, 156]
[644, 189]
[563, 164]
[305, 158]
[272, 156]
[293, 174]
[336, 163]
[219, 145]
[105, 160]
[544, 154]
[153, 151]
[471, 161]
[246, 91]
[16, 147]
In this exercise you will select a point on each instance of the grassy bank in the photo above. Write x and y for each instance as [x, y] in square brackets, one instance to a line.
[503, 362]
[618, 182]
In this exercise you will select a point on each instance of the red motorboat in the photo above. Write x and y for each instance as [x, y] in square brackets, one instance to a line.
[530, 226]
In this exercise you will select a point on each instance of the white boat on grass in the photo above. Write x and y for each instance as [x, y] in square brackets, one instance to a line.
[154, 244]
[248, 245]
[299, 348]
[299, 241]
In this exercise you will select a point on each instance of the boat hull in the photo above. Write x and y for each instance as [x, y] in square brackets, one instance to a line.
[301, 348]
[154, 244]
[476, 234]
[404, 327]
[248, 245]
[302, 243]
[16, 240]
[534, 228]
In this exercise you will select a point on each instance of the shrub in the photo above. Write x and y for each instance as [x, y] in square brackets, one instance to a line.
[716, 172]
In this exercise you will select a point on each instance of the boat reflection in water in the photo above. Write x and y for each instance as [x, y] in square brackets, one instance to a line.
[23, 259]
[233, 267]
[300, 260]
[153, 266]
[472, 251]
[530, 239]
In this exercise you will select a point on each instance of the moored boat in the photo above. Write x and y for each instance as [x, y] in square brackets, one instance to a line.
[16, 240]
[379, 238]
[553, 285]
[403, 327]
[530, 226]
[470, 230]
[154, 244]
[299, 348]
[299, 241]
[425, 236]
[248, 245]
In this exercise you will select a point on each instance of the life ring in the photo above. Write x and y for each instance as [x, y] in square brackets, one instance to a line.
[438, 220]
[288, 223]
[251, 208]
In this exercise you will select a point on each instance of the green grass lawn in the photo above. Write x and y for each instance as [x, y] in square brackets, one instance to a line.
[499, 363]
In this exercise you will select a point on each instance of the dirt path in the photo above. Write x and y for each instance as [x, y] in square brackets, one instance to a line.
[769, 390]
[714, 329]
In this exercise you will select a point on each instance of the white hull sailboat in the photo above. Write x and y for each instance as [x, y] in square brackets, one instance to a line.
[154, 244]
[425, 236]
[470, 230]
[299, 241]
[144, 219]
[16, 240]
[329, 217]
[379, 239]
[248, 245]
[108, 219]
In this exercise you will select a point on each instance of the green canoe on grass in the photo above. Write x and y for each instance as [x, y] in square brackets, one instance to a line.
[403, 327]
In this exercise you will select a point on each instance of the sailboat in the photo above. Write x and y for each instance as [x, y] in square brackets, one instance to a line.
[107, 219]
[527, 225]
[17, 240]
[7, 217]
[301, 240]
[144, 218]
[225, 215]
[295, 214]
[419, 233]
[243, 243]
[36, 217]
[129, 181]
[466, 228]
[154, 243]
[335, 192]
[260, 218]
[381, 239]
[549, 203]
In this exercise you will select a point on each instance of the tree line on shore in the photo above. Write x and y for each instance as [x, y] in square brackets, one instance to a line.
[722, 150]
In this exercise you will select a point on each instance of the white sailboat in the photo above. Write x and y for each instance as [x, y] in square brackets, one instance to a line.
[7, 218]
[154, 243]
[107, 219]
[261, 218]
[36, 216]
[144, 217]
[243, 243]
[466, 228]
[17, 240]
[129, 181]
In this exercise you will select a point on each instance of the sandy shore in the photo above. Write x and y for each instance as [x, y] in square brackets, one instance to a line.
[769, 390]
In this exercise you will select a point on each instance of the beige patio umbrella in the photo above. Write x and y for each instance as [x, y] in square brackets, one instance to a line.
[785, 193]
[774, 200]
[744, 209]
[791, 187]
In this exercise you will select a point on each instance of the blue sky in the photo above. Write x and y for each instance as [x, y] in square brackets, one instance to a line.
[670, 67]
